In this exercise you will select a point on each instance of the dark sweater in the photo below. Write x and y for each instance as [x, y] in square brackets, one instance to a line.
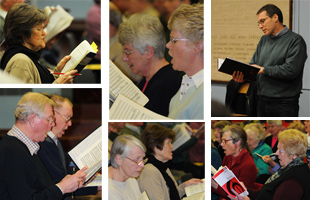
[161, 88]
[50, 156]
[283, 59]
[24, 176]
[291, 185]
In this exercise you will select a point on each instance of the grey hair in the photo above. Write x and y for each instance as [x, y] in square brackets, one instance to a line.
[143, 30]
[276, 122]
[122, 145]
[257, 129]
[32, 103]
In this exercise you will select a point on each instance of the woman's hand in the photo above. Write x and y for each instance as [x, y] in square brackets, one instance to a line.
[214, 184]
[193, 181]
[238, 196]
[238, 77]
[62, 63]
[67, 77]
[269, 161]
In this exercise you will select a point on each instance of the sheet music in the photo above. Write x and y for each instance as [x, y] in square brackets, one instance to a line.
[143, 196]
[182, 135]
[121, 84]
[77, 55]
[89, 152]
[126, 109]
[199, 196]
[96, 182]
[195, 189]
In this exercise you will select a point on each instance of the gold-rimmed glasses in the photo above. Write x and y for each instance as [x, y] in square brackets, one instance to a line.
[67, 119]
[262, 21]
[139, 162]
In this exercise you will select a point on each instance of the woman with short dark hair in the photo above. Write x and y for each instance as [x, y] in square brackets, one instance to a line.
[156, 178]
[25, 36]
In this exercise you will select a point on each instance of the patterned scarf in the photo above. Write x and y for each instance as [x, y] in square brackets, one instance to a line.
[296, 162]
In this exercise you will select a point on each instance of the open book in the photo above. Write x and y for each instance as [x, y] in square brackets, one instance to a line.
[182, 134]
[81, 56]
[89, 153]
[96, 182]
[228, 181]
[195, 192]
[121, 84]
[125, 109]
[229, 65]
[59, 20]
[144, 196]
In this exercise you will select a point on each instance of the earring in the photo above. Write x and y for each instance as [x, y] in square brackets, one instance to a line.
[236, 146]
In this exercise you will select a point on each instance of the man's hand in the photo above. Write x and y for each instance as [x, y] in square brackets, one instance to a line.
[261, 71]
[73, 182]
[238, 77]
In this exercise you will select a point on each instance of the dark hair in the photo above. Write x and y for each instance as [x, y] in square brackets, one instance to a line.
[154, 135]
[271, 10]
[20, 21]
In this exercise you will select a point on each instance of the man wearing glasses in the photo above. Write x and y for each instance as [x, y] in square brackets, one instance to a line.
[23, 176]
[281, 55]
[56, 161]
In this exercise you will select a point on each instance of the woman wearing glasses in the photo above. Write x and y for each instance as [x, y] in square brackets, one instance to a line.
[186, 49]
[143, 42]
[127, 154]
[156, 178]
[237, 158]
[291, 181]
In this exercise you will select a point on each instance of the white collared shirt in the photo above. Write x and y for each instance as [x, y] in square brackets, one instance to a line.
[3, 13]
[191, 81]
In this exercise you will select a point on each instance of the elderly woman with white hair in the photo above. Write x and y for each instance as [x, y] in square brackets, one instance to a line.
[127, 161]
[256, 136]
[143, 40]
[291, 181]
[186, 49]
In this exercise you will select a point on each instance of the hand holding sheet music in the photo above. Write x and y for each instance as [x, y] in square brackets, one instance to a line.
[89, 153]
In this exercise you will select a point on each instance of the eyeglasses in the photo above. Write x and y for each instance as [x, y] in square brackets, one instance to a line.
[224, 141]
[50, 120]
[127, 52]
[139, 162]
[262, 21]
[67, 120]
[281, 151]
[173, 40]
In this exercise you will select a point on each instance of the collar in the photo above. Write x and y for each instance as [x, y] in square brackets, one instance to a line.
[52, 136]
[33, 147]
[237, 160]
[197, 78]
[282, 32]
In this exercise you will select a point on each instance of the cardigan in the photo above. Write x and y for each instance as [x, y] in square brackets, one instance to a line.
[153, 182]
[160, 89]
[191, 105]
[128, 190]
[262, 149]
[244, 169]
[24, 176]
[23, 63]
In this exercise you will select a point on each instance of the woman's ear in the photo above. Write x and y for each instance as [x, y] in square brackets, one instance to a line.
[198, 48]
[118, 159]
[150, 51]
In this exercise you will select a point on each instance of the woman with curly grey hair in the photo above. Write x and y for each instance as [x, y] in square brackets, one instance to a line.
[143, 40]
